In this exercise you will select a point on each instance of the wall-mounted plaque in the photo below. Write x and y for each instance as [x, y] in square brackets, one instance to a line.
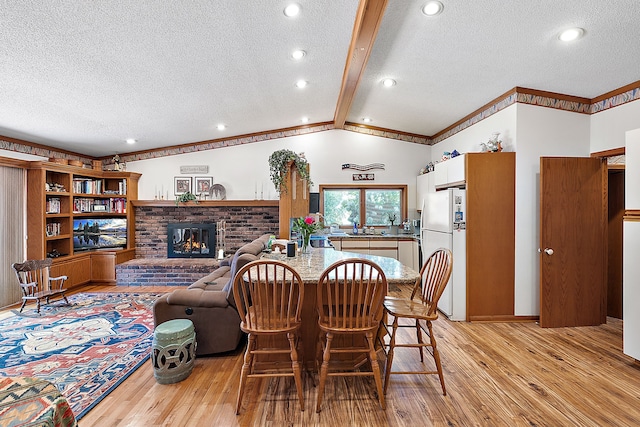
[363, 177]
[185, 170]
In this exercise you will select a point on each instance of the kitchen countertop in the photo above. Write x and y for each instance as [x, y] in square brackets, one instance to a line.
[310, 266]
[399, 236]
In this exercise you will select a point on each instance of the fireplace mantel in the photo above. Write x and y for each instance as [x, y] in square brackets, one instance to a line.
[205, 203]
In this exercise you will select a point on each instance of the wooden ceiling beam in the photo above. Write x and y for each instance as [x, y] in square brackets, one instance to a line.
[365, 30]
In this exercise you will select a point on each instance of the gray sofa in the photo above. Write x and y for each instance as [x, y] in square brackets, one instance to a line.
[209, 303]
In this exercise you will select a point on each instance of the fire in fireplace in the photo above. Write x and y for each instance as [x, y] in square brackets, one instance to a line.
[191, 240]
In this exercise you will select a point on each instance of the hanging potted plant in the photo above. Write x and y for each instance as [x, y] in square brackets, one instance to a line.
[279, 167]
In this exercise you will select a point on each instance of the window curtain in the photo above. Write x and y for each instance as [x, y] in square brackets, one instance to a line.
[13, 192]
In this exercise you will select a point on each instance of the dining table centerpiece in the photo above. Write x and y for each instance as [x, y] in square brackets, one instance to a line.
[306, 226]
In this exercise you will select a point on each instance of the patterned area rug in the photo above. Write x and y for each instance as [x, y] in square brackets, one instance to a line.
[86, 349]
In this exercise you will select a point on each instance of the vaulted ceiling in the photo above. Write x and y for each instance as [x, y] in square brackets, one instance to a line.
[84, 76]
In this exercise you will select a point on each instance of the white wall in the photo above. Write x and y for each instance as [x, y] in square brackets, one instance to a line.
[244, 168]
[532, 132]
[469, 140]
[608, 127]
[631, 268]
[541, 132]
[21, 156]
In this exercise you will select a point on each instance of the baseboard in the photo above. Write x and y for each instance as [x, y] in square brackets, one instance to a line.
[504, 318]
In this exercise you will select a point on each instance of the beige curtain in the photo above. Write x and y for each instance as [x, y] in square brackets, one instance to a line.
[13, 192]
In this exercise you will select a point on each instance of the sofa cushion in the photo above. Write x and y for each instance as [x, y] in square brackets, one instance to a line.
[214, 281]
[253, 248]
[198, 298]
[237, 264]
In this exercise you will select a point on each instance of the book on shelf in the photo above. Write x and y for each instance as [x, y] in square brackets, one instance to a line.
[53, 205]
[87, 186]
[53, 229]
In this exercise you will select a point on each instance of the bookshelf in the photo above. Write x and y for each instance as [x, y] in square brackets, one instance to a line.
[56, 195]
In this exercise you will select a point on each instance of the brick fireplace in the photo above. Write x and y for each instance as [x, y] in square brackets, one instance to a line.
[244, 219]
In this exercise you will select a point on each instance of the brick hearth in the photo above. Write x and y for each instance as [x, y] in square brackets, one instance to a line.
[163, 272]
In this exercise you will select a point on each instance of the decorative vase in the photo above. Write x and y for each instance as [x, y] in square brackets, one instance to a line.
[306, 246]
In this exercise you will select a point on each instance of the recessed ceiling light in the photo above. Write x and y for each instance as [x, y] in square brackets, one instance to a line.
[367, 119]
[221, 127]
[292, 10]
[571, 34]
[305, 120]
[432, 8]
[130, 141]
[388, 82]
[301, 84]
[298, 54]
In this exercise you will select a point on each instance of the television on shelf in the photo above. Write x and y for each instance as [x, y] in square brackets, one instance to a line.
[99, 233]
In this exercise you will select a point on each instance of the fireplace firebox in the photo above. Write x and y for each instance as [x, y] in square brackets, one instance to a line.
[191, 240]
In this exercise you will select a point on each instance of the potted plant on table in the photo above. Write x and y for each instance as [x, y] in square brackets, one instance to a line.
[306, 226]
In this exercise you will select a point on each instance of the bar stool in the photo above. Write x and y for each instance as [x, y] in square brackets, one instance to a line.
[349, 301]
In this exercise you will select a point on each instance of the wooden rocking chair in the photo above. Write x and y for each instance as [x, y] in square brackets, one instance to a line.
[35, 282]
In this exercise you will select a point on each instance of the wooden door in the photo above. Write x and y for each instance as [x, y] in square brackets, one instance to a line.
[573, 241]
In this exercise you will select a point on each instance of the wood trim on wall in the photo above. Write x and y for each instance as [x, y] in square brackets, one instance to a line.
[385, 130]
[249, 137]
[14, 163]
[44, 147]
[554, 95]
[609, 153]
[616, 92]
[206, 203]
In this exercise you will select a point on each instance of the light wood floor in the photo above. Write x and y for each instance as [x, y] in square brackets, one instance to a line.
[497, 374]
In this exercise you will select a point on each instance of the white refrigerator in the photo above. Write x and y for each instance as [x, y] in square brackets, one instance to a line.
[443, 224]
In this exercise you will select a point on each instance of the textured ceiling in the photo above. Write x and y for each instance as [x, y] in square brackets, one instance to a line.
[84, 76]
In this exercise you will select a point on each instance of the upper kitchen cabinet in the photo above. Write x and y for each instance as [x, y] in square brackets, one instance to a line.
[424, 185]
[450, 173]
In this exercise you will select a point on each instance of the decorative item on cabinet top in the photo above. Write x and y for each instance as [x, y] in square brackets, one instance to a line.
[494, 145]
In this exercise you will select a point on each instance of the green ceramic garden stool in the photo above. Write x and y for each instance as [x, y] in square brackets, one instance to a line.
[173, 351]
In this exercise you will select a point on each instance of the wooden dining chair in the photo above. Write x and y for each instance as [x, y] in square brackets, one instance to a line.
[36, 283]
[349, 303]
[269, 295]
[434, 276]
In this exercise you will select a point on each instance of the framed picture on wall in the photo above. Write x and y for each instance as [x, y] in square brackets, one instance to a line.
[181, 185]
[203, 184]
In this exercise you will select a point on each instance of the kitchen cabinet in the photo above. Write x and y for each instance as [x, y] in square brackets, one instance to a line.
[388, 248]
[359, 246]
[404, 249]
[408, 253]
[440, 174]
[424, 185]
[490, 235]
[489, 254]
[450, 173]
